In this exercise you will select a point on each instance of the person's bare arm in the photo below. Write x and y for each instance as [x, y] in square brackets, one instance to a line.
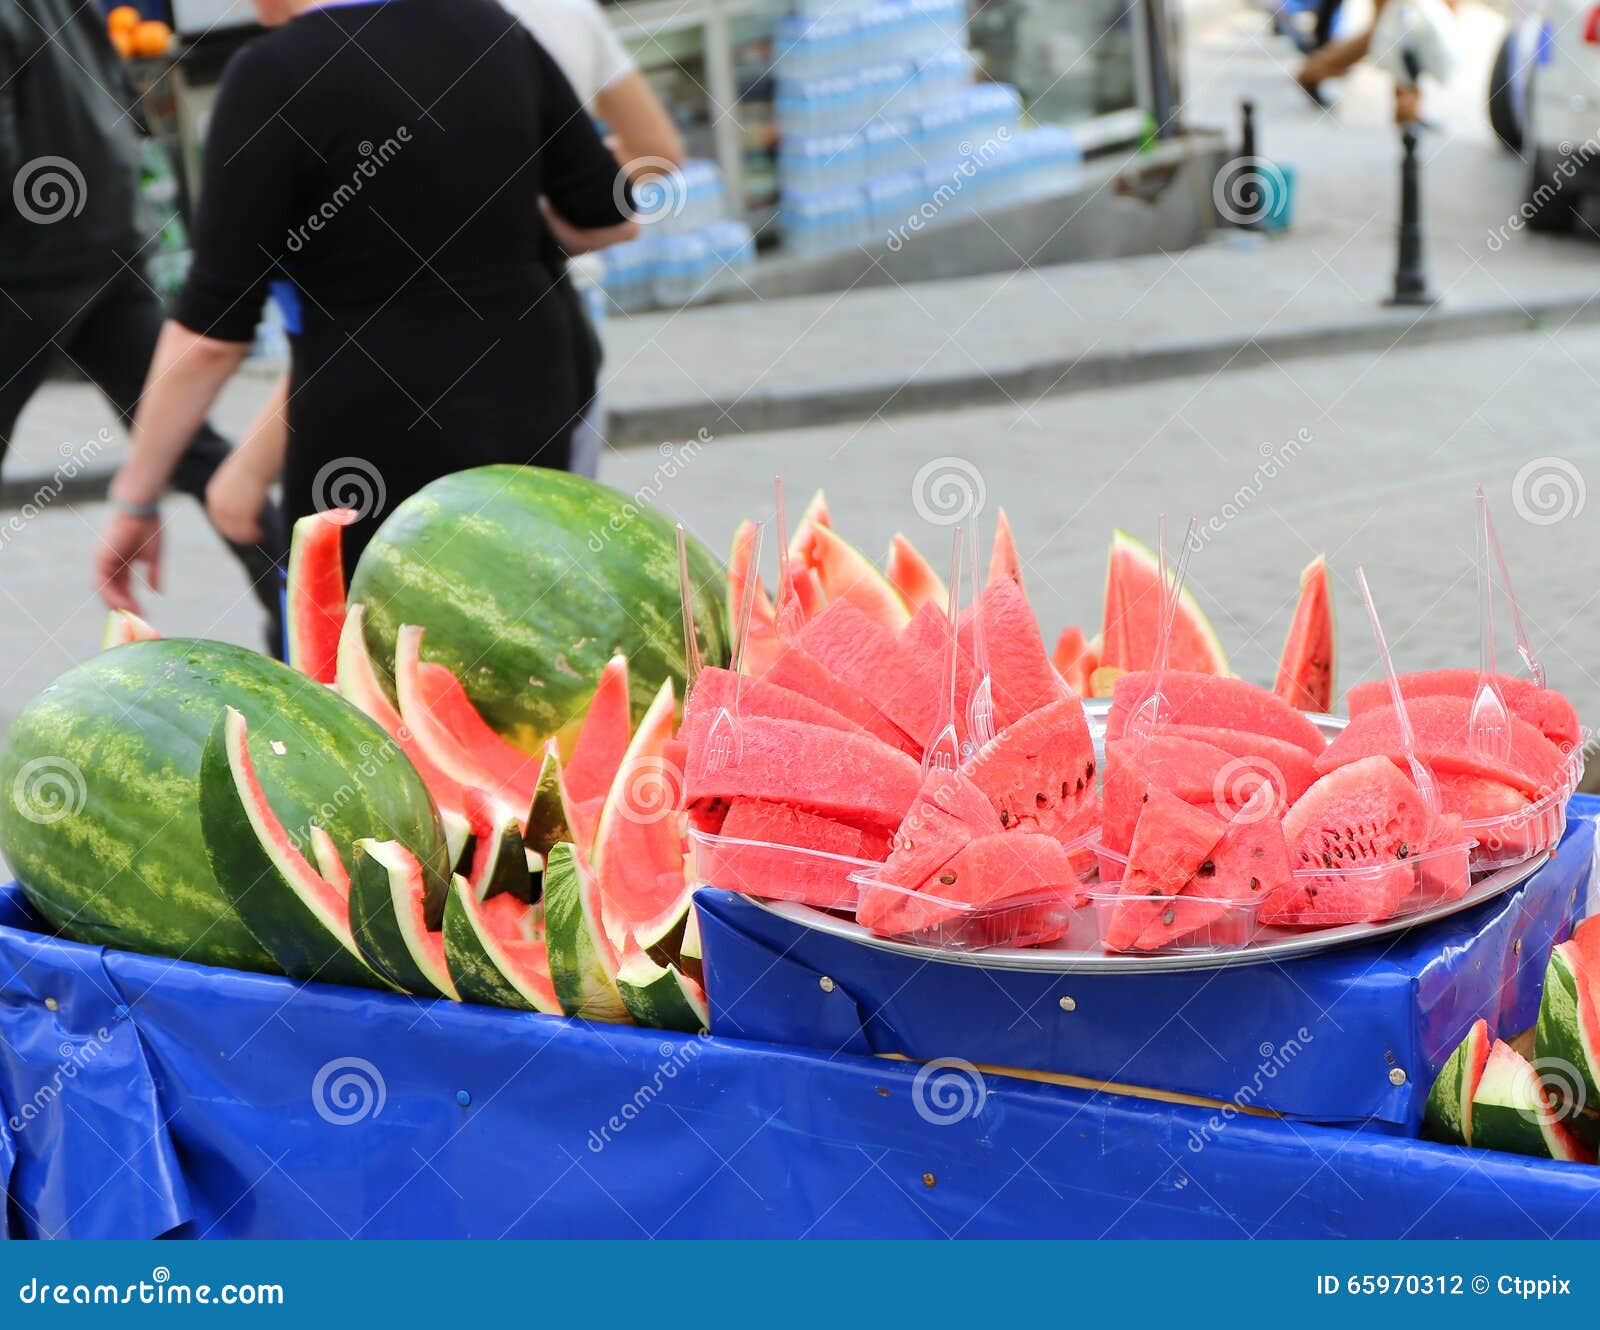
[643, 135]
[186, 376]
[238, 490]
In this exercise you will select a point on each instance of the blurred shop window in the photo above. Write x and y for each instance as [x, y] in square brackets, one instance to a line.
[1072, 60]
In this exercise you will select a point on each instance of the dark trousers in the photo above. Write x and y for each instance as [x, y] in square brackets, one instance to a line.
[107, 326]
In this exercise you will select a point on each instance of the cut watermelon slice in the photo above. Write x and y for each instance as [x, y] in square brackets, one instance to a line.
[1039, 773]
[1170, 843]
[867, 657]
[1360, 823]
[1187, 768]
[1003, 559]
[124, 626]
[761, 642]
[850, 777]
[1511, 1112]
[1543, 708]
[848, 575]
[602, 738]
[923, 648]
[816, 514]
[1219, 703]
[1020, 672]
[948, 812]
[1213, 908]
[358, 682]
[781, 824]
[1075, 661]
[1005, 889]
[1441, 725]
[1135, 604]
[300, 918]
[913, 576]
[552, 818]
[800, 672]
[583, 963]
[1567, 1038]
[330, 863]
[662, 997]
[1287, 767]
[316, 587]
[638, 848]
[455, 738]
[493, 940]
[719, 688]
[1448, 1114]
[396, 921]
[1306, 668]
[781, 853]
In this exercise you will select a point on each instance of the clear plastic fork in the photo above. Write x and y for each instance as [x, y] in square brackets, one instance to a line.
[944, 750]
[1489, 724]
[1524, 645]
[1146, 718]
[1420, 775]
[980, 706]
[724, 742]
[691, 639]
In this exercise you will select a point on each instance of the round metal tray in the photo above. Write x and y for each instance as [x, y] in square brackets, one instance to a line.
[1056, 961]
[1060, 961]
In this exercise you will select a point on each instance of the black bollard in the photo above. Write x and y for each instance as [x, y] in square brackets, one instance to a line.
[1410, 272]
[1250, 200]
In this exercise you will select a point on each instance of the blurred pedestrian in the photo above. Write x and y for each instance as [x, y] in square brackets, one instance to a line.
[390, 158]
[72, 280]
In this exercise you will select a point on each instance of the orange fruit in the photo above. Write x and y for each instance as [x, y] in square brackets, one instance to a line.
[124, 18]
[123, 41]
[151, 38]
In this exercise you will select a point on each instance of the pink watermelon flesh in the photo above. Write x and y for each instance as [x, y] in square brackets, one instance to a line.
[716, 688]
[846, 575]
[1286, 766]
[1075, 660]
[602, 738]
[1500, 817]
[965, 900]
[1305, 670]
[913, 576]
[1216, 701]
[948, 812]
[1441, 726]
[765, 867]
[867, 657]
[1021, 676]
[1170, 843]
[1135, 603]
[762, 643]
[1249, 861]
[359, 684]
[1039, 773]
[850, 777]
[1362, 822]
[923, 647]
[1187, 768]
[1543, 708]
[800, 672]
[1004, 561]
[514, 924]
[315, 593]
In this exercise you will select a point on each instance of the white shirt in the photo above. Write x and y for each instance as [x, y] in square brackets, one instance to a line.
[580, 39]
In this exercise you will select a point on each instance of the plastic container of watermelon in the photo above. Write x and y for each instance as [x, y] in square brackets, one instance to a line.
[1371, 893]
[1057, 916]
[1182, 925]
[778, 872]
[1528, 833]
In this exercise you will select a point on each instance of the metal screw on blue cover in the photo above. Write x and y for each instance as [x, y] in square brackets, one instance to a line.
[52, 1005]
[463, 1098]
[825, 984]
[1397, 1076]
[1069, 1004]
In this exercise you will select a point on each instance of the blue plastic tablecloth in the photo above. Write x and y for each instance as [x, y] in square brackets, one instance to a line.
[1323, 1038]
[143, 1096]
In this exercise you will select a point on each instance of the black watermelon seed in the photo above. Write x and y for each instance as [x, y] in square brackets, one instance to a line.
[949, 879]
[1207, 868]
[1168, 915]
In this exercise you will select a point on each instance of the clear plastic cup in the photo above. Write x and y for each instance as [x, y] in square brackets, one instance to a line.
[777, 872]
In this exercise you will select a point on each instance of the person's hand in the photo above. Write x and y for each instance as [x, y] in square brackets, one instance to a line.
[235, 496]
[127, 542]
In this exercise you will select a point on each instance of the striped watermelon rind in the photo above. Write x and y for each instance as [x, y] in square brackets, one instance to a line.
[661, 996]
[583, 964]
[528, 625]
[122, 863]
[385, 882]
[1567, 1034]
[293, 912]
[1447, 1116]
[550, 820]
[479, 967]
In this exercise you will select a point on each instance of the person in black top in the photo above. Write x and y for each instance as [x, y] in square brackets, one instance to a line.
[403, 163]
[72, 281]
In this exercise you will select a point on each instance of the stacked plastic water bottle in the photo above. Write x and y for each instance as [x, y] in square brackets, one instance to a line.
[880, 122]
[688, 250]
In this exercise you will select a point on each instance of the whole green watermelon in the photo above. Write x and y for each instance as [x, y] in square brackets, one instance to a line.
[99, 792]
[527, 581]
